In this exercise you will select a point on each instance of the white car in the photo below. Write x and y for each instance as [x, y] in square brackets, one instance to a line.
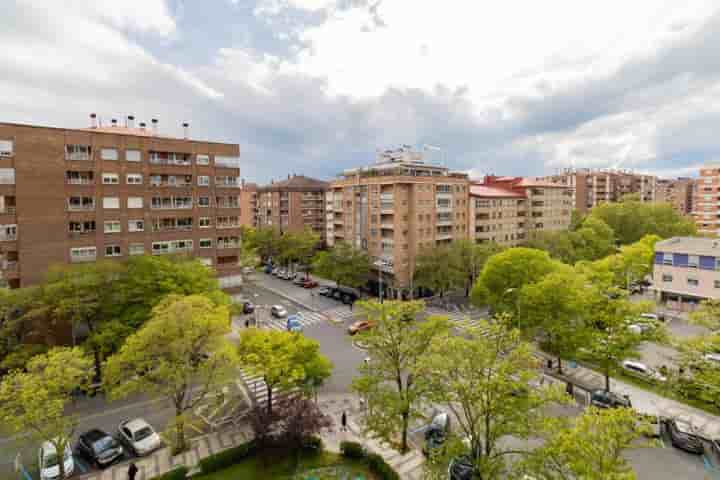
[278, 311]
[139, 436]
[48, 462]
[643, 370]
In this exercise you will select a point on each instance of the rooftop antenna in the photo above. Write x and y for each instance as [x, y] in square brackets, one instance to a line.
[186, 126]
[93, 120]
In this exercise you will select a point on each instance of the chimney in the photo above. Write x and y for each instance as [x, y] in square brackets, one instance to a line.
[242, 182]
[131, 121]
[114, 122]
[93, 120]
[142, 125]
[186, 126]
[154, 122]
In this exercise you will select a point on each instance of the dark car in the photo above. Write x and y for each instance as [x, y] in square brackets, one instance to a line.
[99, 447]
[346, 294]
[310, 283]
[683, 436]
[268, 269]
[248, 307]
[325, 291]
[461, 468]
[605, 399]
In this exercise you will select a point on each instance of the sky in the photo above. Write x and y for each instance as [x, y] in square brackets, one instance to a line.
[316, 86]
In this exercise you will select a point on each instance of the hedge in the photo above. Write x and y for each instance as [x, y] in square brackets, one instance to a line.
[376, 463]
[352, 449]
[177, 473]
[226, 458]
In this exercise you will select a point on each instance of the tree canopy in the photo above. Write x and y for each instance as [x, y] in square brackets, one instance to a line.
[343, 264]
[591, 240]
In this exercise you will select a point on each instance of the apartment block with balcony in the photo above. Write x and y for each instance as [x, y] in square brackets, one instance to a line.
[78, 195]
[249, 204]
[293, 205]
[686, 271]
[706, 201]
[677, 192]
[393, 209]
[498, 215]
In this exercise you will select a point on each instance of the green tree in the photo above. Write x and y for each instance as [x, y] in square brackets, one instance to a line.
[591, 240]
[298, 247]
[704, 382]
[469, 259]
[181, 354]
[707, 315]
[590, 447]
[483, 377]
[343, 264]
[394, 382]
[283, 359]
[33, 402]
[265, 240]
[632, 263]
[504, 275]
[437, 269]
[557, 307]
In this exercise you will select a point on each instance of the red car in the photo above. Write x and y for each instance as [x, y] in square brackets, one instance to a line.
[310, 283]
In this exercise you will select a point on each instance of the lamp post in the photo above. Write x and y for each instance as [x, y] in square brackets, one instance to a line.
[380, 263]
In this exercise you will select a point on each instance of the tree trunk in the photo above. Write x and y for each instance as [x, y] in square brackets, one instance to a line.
[559, 359]
[403, 444]
[269, 400]
[607, 379]
[97, 377]
[61, 459]
[180, 431]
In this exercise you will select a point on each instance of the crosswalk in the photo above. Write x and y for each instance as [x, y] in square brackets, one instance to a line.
[461, 319]
[343, 312]
[307, 319]
[258, 389]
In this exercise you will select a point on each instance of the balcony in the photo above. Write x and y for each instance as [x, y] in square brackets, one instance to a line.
[7, 210]
[170, 158]
[387, 226]
[228, 244]
[155, 183]
[229, 162]
[171, 228]
[80, 181]
[387, 207]
[9, 265]
[81, 208]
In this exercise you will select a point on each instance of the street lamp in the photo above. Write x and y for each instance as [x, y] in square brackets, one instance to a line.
[381, 263]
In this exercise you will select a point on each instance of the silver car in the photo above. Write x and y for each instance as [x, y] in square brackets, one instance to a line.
[278, 311]
[139, 436]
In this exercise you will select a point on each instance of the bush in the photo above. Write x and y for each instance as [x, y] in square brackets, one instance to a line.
[226, 458]
[380, 468]
[177, 473]
[313, 444]
[352, 450]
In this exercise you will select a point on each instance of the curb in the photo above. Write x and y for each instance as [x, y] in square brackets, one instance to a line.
[288, 297]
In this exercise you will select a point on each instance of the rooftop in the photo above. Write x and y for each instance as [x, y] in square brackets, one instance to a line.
[296, 183]
[691, 245]
[494, 192]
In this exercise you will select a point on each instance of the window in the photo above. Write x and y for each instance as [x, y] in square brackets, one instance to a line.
[110, 179]
[206, 243]
[204, 201]
[133, 155]
[108, 154]
[204, 222]
[693, 261]
[112, 250]
[136, 249]
[203, 180]
[223, 161]
[111, 202]
[717, 283]
[77, 152]
[7, 176]
[667, 258]
[202, 159]
[666, 277]
[111, 226]
[135, 202]
[136, 225]
[87, 226]
[160, 248]
[692, 282]
[6, 148]
[444, 203]
[134, 179]
[83, 254]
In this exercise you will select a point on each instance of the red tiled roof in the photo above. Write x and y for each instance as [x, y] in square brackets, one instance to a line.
[496, 192]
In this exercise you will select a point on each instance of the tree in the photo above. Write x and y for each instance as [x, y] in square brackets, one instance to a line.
[704, 381]
[283, 359]
[394, 383]
[483, 377]
[631, 220]
[298, 419]
[469, 259]
[33, 402]
[265, 240]
[707, 315]
[591, 240]
[556, 306]
[298, 247]
[590, 447]
[633, 262]
[436, 269]
[181, 354]
[504, 275]
[343, 264]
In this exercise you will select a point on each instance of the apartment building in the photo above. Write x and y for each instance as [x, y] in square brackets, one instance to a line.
[394, 208]
[508, 210]
[591, 187]
[677, 192]
[686, 271]
[706, 201]
[248, 204]
[79, 195]
[293, 205]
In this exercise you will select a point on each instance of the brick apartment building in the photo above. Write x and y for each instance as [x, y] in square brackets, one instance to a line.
[509, 210]
[395, 207]
[706, 201]
[591, 187]
[677, 192]
[293, 205]
[248, 204]
[78, 195]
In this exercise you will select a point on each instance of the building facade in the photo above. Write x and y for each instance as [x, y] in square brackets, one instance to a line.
[677, 192]
[497, 215]
[686, 271]
[591, 187]
[79, 195]
[248, 204]
[395, 208]
[293, 205]
[706, 201]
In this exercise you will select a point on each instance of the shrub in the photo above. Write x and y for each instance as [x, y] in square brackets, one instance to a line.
[352, 449]
[313, 443]
[380, 468]
[177, 473]
[226, 458]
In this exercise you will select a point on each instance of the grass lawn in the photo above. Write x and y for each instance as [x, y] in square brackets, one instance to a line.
[281, 465]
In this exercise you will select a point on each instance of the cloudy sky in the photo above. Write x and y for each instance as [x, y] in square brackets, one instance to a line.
[315, 86]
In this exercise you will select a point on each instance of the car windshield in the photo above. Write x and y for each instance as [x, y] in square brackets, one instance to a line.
[104, 444]
[143, 433]
[684, 427]
[51, 459]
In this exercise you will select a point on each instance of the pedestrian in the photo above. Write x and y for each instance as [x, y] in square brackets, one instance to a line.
[247, 323]
[132, 471]
[343, 422]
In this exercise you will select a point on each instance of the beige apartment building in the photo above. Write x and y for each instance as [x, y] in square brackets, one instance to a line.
[677, 192]
[396, 207]
[248, 204]
[706, 201]
[293, 205]
[591, 187]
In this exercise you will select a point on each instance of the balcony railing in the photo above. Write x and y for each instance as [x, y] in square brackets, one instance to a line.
[8, 237]
[175, 228]
[222, 245]
[228, 225]
[228, 205]
[83, 258]
[231, 162]
[80, 181]
[81, 208]
[171, 184]
[9, 265]
[7, 210]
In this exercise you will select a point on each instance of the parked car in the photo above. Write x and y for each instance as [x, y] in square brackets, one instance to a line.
[461, 468]
[248, 307]
[310, 283]
[299, 281]
[683, 436]
[346, 294]
[715, 444]
[48, 462]
[325, 291]
[651, 317]
[139, 436]
[99, 447]
[278, 311]
[359, 326]
[640, 328]
[643, 371]
[436, 432]
[294, 323]
[605, 399]
[288, 275]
